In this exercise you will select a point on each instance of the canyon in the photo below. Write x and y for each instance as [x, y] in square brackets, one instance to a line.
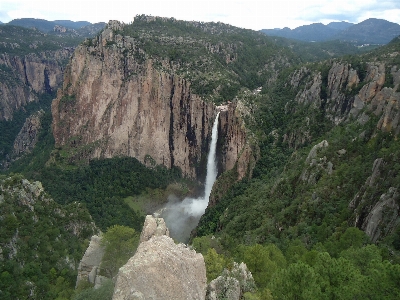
[113, 104]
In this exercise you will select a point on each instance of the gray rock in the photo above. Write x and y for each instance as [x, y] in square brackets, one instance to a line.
[223, 288]
[314, 150]
[377, 216]
[153, 227]
[231, 284]
[28, 135]
[383, 216]
[161, 269]
[316, 165]
[89, 265]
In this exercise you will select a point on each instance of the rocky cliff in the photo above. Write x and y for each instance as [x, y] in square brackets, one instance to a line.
[26, 76]
[342, 93]
[116, 101]
[364, 94]
[160, 269]
[28, 135]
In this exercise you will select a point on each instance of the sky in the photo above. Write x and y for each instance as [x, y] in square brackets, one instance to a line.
[248, 14]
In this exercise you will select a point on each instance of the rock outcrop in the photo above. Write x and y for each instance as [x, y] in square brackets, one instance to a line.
[235, 148]
[376, 214]
[28, 135]
[153, 227]
[347, 96]
[316, 165]
[27, 76]
[232, 284]
[161, 269]
[115, 101]
[88, 268]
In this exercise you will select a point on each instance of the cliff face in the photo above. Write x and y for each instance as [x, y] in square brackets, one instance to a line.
[114, 102]
[377, 213]
[345, 94]
[362, 97]
[161, 269]
[236, 149]
[28, 135]
[23, 77]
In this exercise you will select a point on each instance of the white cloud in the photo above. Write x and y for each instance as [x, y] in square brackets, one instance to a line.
[248, 14]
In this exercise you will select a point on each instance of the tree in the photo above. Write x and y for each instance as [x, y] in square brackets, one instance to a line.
[338, 278]
[215, 264]
[120, 243]
[298, 281]
[263, 262]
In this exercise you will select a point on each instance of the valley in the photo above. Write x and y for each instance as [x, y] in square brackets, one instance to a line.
[307, 159]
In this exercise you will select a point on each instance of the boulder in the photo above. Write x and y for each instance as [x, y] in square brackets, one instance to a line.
[161, 269]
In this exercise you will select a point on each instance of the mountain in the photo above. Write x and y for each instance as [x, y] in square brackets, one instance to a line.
[340, 25]
[311, 33]
[60, 27]
[45, 25]
[72, 24]
[371, 31]
[320, 50]
[307, 152]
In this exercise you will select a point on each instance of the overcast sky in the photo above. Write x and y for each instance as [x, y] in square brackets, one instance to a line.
[242, 13]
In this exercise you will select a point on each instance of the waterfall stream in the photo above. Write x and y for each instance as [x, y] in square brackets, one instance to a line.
[182, 217]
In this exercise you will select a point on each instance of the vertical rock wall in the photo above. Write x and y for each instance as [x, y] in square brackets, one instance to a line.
[115, 104]
[27, 76]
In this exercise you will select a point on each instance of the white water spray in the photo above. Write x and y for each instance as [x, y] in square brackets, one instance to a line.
[211, 162]
[182, 217]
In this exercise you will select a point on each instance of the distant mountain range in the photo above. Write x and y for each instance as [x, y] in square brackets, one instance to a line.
[370, 31]
[59, 27]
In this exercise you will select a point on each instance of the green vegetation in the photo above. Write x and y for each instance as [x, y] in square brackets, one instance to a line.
[10, 129]
[105, 292]
[17, 40]
[120, 243]
[292, 223]
[312, 52]
[39, 240]
[344, 267]
[218, 59]
[302, 210]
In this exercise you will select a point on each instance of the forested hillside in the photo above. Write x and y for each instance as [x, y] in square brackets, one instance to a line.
[41, 241]
[329, 167]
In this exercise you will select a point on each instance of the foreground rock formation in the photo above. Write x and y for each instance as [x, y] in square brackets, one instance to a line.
[161, 269]
[89, 266]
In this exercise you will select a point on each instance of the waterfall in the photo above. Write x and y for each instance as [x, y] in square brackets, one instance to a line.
[182, 217]
[211, 162]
